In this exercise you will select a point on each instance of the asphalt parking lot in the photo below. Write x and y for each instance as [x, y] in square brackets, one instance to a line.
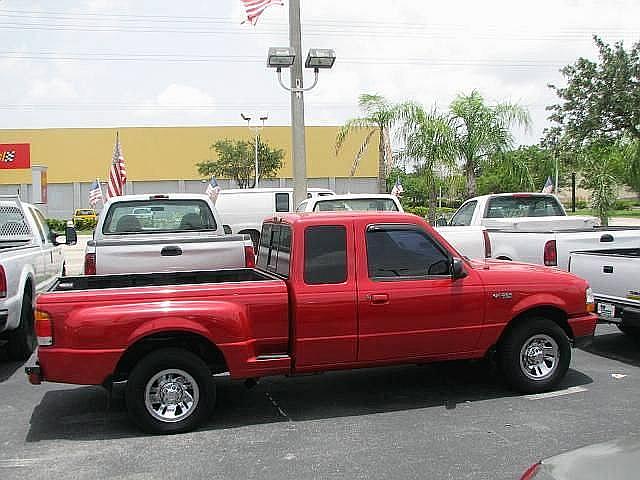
[450, 421]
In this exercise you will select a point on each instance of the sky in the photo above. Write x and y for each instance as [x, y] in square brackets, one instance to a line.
[113, 63]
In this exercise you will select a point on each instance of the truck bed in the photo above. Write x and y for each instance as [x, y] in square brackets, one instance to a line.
[98, 282]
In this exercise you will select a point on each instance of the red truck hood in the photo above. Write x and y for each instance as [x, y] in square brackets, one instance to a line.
[515, 268]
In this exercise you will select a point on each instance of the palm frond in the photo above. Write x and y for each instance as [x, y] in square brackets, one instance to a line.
[348, 128]
[361, 151]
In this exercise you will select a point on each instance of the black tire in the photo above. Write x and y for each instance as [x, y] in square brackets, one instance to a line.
[178, 363]
[22, 340]
[541, 374]
[632, 331]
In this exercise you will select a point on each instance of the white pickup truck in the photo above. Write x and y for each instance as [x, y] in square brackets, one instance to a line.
[471, 241]
[163, 233]
[614, 276]
[534, 228]
[30, 262]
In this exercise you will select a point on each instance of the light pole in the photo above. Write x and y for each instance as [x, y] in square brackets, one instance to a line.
[256, 131]
[287, 57]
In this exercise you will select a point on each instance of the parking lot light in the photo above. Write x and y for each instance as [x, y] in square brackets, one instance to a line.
[280, 57]
[320, 58]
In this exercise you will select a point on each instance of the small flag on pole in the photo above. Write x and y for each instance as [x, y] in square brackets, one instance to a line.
[95, 194]
[548, 186]
[254, 8]
[397, 188]
[213, 189]
[117, 172]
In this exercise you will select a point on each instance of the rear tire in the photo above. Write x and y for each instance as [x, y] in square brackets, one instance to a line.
[534, 355]
[170, 391]
[22, 340]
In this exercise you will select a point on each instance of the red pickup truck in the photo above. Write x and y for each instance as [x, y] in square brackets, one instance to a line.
[330, 291]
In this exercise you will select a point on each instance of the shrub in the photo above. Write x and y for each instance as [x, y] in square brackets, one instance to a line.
[56, 225]
[85, 224]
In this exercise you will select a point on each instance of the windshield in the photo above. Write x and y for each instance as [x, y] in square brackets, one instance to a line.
[523, 206]
[158, 216]
[356, 204]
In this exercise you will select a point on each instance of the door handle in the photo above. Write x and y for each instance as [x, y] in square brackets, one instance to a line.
[378, 298]
[171, 251]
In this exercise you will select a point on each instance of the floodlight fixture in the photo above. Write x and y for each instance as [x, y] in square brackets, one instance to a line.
[280, 57]
[320, 58]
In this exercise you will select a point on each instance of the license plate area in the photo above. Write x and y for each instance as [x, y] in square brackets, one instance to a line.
[607, 310]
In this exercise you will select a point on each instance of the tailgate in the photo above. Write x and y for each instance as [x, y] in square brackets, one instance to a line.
[167, 255]
[612, 275]
[569, 242]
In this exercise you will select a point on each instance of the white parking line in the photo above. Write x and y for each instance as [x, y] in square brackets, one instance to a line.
[557, 393]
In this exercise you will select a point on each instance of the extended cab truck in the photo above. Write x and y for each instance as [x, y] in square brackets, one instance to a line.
[331, 291]
[163, 233]
[615, 277]
[534, 228]
[472, 241]
[30, 261]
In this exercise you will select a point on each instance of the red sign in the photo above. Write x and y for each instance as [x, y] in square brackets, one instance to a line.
[15, 155]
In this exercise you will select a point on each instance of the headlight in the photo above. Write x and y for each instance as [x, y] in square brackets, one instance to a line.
[590, 301]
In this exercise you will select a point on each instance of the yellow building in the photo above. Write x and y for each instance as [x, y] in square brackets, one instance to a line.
[163, 159]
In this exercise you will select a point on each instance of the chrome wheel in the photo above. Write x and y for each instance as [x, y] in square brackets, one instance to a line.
[539, 357]
[171, 395]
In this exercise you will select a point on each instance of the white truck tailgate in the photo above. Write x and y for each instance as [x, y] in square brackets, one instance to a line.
[168, 255]
[568, 242]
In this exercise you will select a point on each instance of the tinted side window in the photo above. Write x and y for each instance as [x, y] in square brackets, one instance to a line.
[403, 253]
[274, 249]
[325, 255]
[463, 216]
[282, 202]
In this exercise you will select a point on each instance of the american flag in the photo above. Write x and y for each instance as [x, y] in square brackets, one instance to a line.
[8, 157]
[213, 189]
[548, 187]
[117, 172]
[255, 8]
[397, 189]
[95, 194]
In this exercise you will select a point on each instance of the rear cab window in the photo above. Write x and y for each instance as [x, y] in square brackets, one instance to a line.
[274, 249]
[356, 205]
[158, 216]
[523, 206]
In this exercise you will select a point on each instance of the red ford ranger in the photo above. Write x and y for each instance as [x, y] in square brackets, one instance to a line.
[330, 291]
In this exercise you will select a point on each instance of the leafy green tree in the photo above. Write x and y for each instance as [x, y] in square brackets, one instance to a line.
[603, 167]
[601, 103]
[523, 169]
[379, 116]
[236, 160]
[482, 130]
[430, 143]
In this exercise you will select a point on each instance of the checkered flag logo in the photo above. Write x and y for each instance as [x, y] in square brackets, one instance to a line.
[8, 157]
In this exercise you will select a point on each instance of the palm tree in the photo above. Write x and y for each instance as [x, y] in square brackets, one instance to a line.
[379, 117]
[483, 130]
[430, 142]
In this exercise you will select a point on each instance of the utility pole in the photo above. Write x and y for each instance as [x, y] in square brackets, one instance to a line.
[256, 131]
[297, 107]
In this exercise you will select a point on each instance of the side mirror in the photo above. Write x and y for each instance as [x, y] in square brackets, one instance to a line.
[441, 222]
[227, 229]
[71, 237]
[457, 269]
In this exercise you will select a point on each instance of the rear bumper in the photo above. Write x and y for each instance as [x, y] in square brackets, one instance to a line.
[627, 312]
[81, 367]
[583, 328]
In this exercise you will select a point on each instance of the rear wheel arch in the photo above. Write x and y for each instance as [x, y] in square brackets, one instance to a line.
[201, 346]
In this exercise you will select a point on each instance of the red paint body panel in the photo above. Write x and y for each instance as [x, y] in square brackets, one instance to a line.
[286, 326]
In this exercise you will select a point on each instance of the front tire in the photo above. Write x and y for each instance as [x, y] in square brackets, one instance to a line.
[170, 391]
[22, 340]
[534, 355]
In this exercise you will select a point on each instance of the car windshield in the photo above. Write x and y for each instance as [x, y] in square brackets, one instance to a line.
[523, 206]
[158, 216]
[356, 204]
